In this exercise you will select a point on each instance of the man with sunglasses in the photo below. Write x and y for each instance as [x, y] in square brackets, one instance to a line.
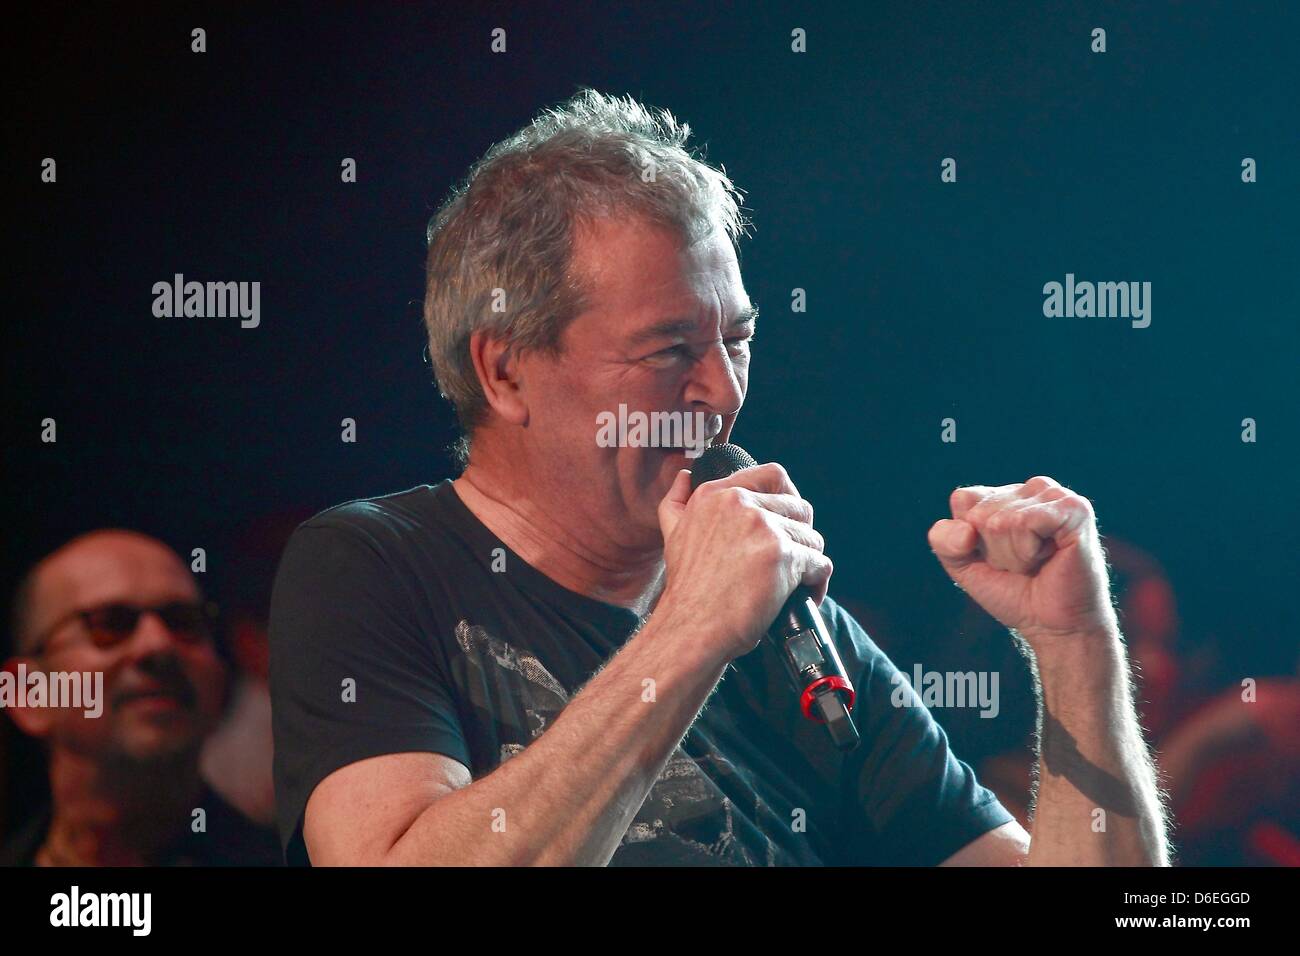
[125, 786]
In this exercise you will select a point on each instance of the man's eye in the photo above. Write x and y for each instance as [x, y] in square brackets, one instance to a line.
[669, 355]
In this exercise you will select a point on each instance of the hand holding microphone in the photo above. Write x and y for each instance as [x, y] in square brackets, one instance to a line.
[735, 549]
[740, 550]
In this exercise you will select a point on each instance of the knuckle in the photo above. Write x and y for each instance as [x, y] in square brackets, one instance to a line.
[773, 548]
[776, 469]
[1080, 504]
[733, 496]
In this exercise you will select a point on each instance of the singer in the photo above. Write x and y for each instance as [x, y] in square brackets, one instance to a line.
[558, 658]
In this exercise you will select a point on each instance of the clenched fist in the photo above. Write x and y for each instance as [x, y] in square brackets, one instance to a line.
[735, 549]
[1029, 555]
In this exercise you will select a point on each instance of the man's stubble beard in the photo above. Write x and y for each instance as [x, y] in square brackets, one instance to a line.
[124, 758]
[164, 747]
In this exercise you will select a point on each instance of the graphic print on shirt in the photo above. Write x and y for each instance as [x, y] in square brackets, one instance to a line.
[686, 819]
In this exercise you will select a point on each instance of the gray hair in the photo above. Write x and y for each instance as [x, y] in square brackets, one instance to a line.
[506, 232]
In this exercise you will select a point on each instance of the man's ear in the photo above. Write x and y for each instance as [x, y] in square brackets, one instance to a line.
[33, 721]
[498, 371]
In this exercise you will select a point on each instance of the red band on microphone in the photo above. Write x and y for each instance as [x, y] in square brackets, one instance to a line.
[810, 693]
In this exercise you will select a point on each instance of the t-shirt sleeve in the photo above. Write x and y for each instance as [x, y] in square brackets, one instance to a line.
[921, 802]
[352, 676]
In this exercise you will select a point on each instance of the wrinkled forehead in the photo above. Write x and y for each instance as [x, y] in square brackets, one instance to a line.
[105, 567]
[637, 271]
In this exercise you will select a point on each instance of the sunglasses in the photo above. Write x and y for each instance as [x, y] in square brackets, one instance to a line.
[112, 624]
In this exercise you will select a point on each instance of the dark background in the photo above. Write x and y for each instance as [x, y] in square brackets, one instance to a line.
[924, 299]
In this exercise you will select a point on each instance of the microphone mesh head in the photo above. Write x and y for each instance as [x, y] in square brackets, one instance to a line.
[718, 461]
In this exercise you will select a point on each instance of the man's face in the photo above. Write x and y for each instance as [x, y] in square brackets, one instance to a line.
[667, 330]
[162, 689]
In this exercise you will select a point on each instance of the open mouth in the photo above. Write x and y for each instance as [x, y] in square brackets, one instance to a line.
[715, 429]
[706, 436]
[713, 433]
[671, 433]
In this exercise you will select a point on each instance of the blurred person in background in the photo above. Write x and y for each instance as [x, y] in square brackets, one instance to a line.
[125, 787]
[1232, 769]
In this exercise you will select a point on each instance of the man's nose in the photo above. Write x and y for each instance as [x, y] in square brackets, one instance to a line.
[151, 636]
[715, 383]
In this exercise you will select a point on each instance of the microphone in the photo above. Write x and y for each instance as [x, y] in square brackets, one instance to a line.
[799, 634]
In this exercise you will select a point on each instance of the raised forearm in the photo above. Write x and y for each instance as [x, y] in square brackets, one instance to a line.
[1097, 801]
[568, 798]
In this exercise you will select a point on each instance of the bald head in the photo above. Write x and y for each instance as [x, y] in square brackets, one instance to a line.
[98, 568]
[162, 683]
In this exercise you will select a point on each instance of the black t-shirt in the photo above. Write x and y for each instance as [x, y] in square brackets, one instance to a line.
[228, 839]
[402, 623]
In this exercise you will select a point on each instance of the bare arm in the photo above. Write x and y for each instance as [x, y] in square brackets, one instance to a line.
[567, 799]
[1029, 553]
[1097, 803]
